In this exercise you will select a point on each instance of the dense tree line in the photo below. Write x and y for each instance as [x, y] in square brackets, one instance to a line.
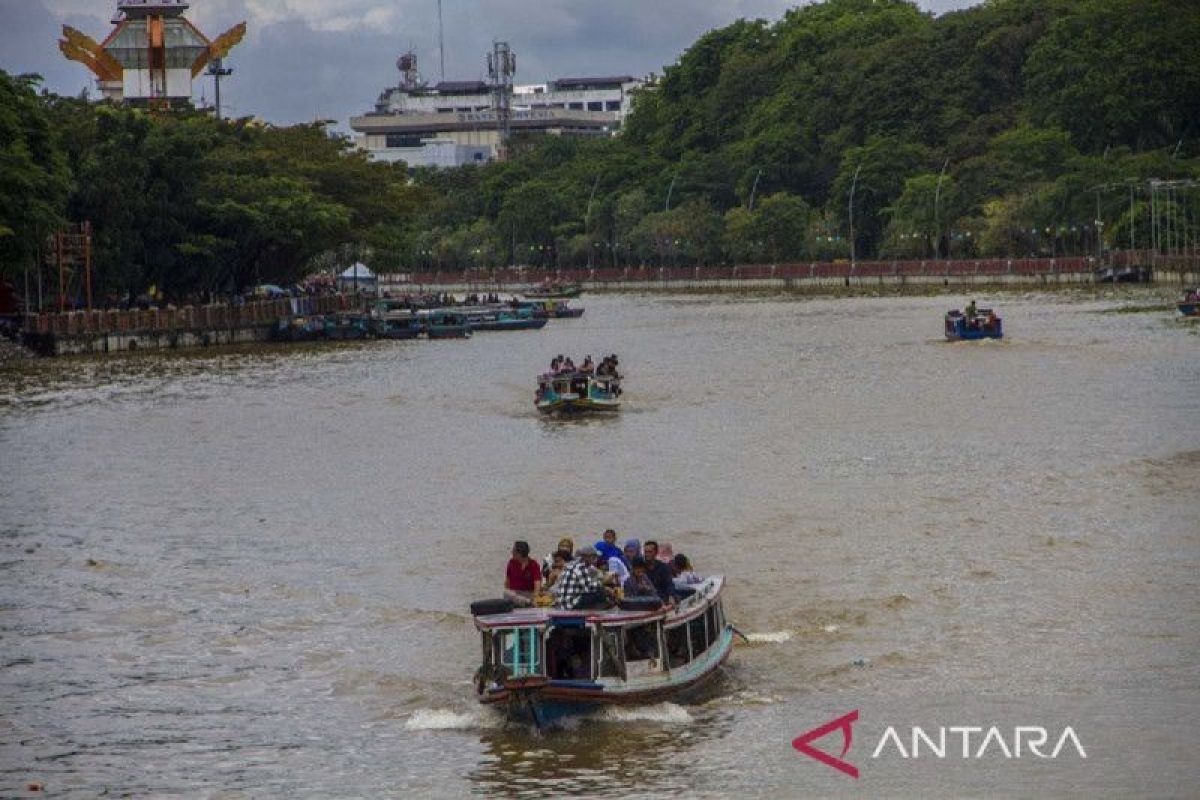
[1010, 128]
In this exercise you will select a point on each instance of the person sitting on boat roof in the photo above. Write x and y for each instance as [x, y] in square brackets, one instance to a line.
[523, 578]
[580, 586]
[607, 548]
[638, 584]
[588, 367]
[660, 573]
[565, 543]
[558, 562]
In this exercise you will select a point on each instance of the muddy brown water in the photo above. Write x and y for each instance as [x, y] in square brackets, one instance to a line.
[245, 573]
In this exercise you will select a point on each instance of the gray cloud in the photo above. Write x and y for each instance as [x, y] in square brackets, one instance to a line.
[305, 59]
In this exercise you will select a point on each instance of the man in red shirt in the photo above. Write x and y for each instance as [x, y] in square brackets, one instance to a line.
[523, 577]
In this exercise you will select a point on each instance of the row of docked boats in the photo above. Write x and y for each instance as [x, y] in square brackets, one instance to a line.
[402, 319]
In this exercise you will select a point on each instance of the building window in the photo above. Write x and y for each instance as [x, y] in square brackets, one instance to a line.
[575, 106]
[402, 140]
[612, 105]
[595, 105]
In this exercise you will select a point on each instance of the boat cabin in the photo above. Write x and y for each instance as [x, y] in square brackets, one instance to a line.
[607, 655]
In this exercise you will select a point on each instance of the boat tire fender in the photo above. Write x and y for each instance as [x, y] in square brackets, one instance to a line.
[481, 608]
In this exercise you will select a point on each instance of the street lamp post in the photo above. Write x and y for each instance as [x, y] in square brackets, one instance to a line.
[853, 185]
[937, 197]
[217, 69]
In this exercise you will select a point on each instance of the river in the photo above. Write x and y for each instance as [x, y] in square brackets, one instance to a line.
[246, 573]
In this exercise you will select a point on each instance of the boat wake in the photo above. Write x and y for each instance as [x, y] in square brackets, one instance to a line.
[441, 719]
[773, 637]
[667, 713]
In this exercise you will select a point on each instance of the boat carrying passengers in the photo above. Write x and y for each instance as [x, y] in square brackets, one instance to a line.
[598, 576]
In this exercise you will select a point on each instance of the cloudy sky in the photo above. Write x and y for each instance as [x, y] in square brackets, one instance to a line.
[311, 59]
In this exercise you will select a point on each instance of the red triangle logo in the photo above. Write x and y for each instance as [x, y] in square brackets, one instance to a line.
[804, 741]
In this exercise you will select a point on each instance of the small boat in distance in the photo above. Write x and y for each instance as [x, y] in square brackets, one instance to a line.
[1190, 305]
[546, 663]
[980, 323]
[565, 393]
[555, 291]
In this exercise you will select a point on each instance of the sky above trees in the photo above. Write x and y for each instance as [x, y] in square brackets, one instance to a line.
[311, 59]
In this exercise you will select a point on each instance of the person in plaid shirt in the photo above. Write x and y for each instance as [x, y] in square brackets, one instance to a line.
[579, 581]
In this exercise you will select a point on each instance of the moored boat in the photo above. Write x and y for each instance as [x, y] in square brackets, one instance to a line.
[555, 291]
[397, 326]
[544, 663]
[345, 327]
[506, 321]
[1190, 305]
[299, 329]
[983, 323]
[576, 392]
[446, 325]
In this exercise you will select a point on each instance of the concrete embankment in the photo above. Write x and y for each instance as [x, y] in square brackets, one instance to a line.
[79, 332]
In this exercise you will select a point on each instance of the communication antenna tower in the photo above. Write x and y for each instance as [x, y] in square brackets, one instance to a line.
[502, 65]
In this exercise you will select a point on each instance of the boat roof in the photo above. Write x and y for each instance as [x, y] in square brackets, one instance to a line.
[691, 606]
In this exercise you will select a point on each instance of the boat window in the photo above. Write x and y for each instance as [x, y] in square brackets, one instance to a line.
[520, 651]
[641, 642]
[569, 654]
[610, 660]
[696, 634]
[677, 646]
[710, 620]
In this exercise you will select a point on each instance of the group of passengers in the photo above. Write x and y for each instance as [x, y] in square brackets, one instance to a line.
[564, 365]
[596, 576]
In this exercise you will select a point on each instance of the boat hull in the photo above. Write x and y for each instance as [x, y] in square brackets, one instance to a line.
[1190, 309]
[579, 406]
[448, 332]
[563, 698]
[531, 324]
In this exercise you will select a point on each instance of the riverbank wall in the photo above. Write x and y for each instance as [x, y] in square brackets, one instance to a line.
[815, 277]
[80, 332]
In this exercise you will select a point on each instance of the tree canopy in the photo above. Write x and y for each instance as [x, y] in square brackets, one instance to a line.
[1013, 127]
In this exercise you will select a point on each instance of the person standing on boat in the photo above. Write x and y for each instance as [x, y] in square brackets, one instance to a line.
[971, 310]
[523, 578]
[579, 586]
[660, 573]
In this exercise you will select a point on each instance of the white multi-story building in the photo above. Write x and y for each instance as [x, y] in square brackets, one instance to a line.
[453, 123]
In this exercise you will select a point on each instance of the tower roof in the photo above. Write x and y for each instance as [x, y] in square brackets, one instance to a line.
[136, 9]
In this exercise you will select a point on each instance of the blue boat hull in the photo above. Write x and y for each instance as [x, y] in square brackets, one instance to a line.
[1190, 309]
[957, 330]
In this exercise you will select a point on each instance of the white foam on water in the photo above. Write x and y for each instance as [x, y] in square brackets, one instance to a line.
[662, 712]
[774, 637]
[440, 719]
[830, 628]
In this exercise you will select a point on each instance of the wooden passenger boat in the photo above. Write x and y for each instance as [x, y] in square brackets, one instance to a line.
[397, 326]
[985, 324]
[506, 320]
[543, 663]
[443, 324]
[555, 291]
[577, 392]
[1190, 305]
[344, 327]
[299, 329]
